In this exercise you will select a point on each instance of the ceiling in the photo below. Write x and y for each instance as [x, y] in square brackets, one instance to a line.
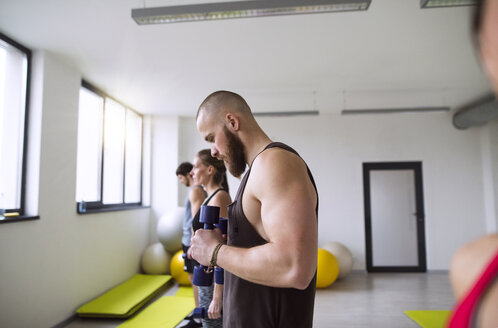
[392, 55]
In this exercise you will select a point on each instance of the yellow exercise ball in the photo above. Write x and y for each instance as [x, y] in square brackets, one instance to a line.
[176, 268]
[327, 269]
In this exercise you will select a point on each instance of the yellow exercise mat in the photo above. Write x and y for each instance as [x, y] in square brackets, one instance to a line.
[429, 318]
[185, 291]
[166, 312]
[126, 298]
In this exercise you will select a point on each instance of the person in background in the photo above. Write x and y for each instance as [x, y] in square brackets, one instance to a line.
[211, 174]
[192, 204]
[474, 267]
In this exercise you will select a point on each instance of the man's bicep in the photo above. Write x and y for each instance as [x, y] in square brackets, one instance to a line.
[288, 212]
[291, 205]
[287, 196]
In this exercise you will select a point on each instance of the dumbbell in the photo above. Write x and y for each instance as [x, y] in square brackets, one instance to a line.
[210, 215]
[200, 313]
[219, 273]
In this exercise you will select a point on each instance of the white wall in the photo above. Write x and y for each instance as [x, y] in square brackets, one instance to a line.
[489, 171]
[51, 266]
[164, 196]
[493, 132]
[190, 142]
[335, 147]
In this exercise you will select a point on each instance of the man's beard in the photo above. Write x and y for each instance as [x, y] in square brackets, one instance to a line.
[235, 159]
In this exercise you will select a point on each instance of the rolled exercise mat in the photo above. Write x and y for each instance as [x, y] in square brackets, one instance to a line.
[125, 299]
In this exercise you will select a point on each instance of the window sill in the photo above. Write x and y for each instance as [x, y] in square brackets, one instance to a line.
[109, 208]
[19, 218]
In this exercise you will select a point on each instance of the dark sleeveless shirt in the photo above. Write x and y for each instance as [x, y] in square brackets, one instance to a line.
[196, 225]
[251, 305]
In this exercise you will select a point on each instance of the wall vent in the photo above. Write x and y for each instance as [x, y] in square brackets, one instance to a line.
[394, 110]
[291, 113]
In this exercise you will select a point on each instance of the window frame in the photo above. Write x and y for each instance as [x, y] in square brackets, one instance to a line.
[22, 214]
[98, 206]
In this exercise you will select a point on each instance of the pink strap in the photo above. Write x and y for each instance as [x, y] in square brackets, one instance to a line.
[462, 315]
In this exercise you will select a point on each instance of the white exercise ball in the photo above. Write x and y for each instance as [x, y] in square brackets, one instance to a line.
[343, 256]
[170, 229]
[155, 259]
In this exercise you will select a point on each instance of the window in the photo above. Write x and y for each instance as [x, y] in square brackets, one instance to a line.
[14, 94]
[109, 163]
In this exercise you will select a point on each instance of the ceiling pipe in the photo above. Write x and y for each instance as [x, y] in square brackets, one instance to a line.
[476, 113]
[288, 113]
[394, 110]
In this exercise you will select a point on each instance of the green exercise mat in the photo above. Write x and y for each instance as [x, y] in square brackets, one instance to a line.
[185, 291]
[166, 312]
[429, 318]
[125, 299]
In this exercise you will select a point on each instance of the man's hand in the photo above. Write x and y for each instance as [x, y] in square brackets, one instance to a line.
[203, 244]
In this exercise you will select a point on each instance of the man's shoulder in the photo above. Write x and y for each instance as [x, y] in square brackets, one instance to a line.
[277, 158]
[277, 169]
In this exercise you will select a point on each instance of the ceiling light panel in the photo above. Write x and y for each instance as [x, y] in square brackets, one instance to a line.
[446, 3]
[242, 9]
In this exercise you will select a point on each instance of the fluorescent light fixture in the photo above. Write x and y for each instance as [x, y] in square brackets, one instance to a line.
[242, 9]
[446, 3]
[394, 110]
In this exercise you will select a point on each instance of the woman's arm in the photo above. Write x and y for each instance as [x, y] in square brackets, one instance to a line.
[222, 200]
[196, 197]
[216, 305]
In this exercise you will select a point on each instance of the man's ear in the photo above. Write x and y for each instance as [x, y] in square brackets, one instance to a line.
[232, 121]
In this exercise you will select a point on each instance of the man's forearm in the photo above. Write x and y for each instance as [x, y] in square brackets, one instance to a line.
[266, 265]
[218, 292]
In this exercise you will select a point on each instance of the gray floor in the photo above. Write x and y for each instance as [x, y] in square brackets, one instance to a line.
[378, 300]
[361, 300]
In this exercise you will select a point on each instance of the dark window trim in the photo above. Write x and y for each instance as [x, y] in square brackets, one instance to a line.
[22, 208]
[19, 218]
[99, 206]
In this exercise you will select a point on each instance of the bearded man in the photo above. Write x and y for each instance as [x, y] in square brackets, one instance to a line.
[271, 253]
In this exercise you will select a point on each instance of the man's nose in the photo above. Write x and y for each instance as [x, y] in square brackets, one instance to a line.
[214, 151]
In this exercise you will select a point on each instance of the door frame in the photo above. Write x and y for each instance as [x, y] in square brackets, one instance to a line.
[420, 214]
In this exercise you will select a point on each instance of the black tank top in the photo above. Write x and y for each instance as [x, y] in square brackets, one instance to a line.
[251, 305]
[196, 225]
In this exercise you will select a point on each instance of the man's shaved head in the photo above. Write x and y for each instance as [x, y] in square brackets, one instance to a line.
[224, 101]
